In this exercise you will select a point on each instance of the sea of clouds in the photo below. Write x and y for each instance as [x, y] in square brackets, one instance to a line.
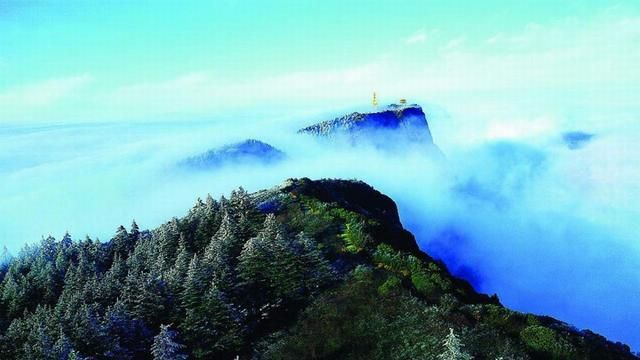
[513, 208]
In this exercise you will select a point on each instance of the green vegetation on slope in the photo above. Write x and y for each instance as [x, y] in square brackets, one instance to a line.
[309, 270]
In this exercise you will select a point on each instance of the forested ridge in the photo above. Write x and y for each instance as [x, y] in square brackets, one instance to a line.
[307, 270]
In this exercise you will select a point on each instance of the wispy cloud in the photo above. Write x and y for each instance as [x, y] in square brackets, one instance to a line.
[570, 56]
[418, 37]
[566, 56]
[204, 92]
[42, 93]
[453, 44]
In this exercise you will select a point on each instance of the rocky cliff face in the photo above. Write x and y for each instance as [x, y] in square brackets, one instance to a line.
[392, 126]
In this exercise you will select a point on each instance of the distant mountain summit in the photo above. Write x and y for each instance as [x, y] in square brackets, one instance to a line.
[247, 151]
[391, 126]
[575, 140]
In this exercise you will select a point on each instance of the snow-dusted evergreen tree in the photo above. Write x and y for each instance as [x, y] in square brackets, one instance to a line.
[244, 212]
[166, 347]
[176, 275]
[316, 268]
[134, 233]
[269, 268]
[453, 348]
[220, 256]
[66, 241]
[195, 284]
[256, 265]
[208, 221]
[221, 241]
[42, 347]
[168, 237]
[74, 355]
[120, 242]
[253, 264]
[63, 347]
[110, 285]
[210, 329]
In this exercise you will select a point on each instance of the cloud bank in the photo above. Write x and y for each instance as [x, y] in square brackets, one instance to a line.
[549, 229]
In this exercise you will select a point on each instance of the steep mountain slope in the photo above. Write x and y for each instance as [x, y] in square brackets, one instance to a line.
[249, 151]
[307, 270]
[395, 126]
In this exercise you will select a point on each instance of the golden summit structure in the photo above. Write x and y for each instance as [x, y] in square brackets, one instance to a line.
[374, 101]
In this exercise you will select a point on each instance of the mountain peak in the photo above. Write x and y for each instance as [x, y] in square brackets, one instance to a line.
[246, 151]
[392, 125]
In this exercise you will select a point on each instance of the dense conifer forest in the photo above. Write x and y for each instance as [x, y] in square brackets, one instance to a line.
[307, 270]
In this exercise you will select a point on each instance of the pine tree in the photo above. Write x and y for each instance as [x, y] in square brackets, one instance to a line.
[66, 241]
[220, 256]
[244, 212]
[134, 233]
[120, 243]
[453, 348]
[316, 268]
[62, 263]
[74, 355]
[208, 222]
[86, 330]
[195, 285]
[41, 346]
[152, 303]
[269, 270]
[176, 275]
[168, 237]
[209, 328]
[124, 335]
[253, 270]
[271, 228]
[166, 347]
[63, 347]
[48, 248]
[13, 295]
[287, 276]
[110, 284]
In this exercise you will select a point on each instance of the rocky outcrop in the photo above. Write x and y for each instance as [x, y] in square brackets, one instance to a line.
[395, 125]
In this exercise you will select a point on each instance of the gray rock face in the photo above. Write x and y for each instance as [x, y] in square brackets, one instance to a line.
[390, 127]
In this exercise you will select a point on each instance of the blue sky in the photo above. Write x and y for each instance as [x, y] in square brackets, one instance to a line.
[78, 61]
